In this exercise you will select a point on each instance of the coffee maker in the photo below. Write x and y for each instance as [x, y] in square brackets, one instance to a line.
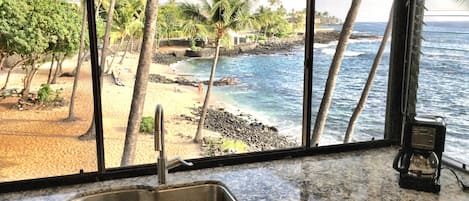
[419, 159]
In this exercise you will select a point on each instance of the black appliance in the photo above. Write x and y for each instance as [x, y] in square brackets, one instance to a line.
[419, 159]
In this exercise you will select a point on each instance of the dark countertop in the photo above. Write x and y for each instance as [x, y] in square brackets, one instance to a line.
[359, 175]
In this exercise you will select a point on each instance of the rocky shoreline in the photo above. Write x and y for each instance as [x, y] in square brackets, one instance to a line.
[245, 128]
[224, 81]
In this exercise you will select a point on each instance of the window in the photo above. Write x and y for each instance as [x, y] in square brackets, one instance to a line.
[442, 78]
[256, 100]
[362, 48]
[42, 110]
[258, 107]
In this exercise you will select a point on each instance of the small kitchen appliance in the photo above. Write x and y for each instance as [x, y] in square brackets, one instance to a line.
[419, 159]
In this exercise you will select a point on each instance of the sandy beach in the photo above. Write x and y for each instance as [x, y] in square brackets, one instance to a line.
[39, 143]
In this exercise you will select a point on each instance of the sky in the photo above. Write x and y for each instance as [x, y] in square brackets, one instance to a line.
[377, 10]
[372, 10]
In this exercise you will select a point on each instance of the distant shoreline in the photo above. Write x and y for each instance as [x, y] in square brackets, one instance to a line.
[273, 46]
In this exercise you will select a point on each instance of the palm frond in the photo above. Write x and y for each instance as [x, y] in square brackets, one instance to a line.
[220, 9]
[193, 11]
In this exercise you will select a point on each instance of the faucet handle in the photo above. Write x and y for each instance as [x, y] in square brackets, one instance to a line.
[175, 162]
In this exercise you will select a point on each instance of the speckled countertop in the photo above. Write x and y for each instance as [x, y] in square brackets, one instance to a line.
[359, 175]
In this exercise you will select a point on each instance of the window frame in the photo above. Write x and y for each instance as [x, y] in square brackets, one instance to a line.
[391, 136]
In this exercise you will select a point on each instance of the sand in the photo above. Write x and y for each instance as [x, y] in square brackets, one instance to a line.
[39, 143]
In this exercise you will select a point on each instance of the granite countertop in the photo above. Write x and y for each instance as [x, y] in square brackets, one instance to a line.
[359, 175]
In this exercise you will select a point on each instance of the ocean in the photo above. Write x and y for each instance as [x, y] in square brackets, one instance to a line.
[271, 86]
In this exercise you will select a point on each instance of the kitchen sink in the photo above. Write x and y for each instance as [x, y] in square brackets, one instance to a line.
[197, 191]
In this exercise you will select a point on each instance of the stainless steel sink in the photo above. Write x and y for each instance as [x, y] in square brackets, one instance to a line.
[201, 191]
[118, 195]
[197, 191]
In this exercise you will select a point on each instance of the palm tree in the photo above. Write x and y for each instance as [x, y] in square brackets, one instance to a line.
[135, 31]
[169, 22]
[263, 18]
[140, 88]
[333, 71]
[222, 15]
[369, 81]
[107, 34]
[126, 21]
[90, 133]
[71, 111]
[3, 57]
[194, 30]
[274, 2]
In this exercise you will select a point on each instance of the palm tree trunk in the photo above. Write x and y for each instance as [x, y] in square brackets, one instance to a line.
[125, 51]
[82, 40]
[334, 70]
[110, 67]
[198, 134]
[71, 110]
[369, 81]
[3, 57]
[49, 77]
[107, 34]
[90, 134]
[141, 81]
[139, 45]
[98, 5]
[58, 68]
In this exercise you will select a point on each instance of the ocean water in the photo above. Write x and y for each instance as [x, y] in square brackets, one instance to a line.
[444, 86]
[271, 86]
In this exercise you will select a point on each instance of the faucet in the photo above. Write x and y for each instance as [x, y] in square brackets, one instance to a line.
[163, 164]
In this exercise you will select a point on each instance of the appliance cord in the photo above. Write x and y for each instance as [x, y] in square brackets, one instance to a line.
[460, 182]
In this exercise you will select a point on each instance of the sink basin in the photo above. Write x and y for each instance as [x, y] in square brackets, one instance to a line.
[200, 191]
[197, 191]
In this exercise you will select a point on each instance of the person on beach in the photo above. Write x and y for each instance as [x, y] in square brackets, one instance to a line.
[200, 86]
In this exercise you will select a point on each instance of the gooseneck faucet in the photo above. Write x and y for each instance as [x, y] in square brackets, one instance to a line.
[163, 164]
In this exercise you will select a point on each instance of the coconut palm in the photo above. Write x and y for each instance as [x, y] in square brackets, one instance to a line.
[170, 21]
[90, 133]
[71, 111]
[369, 82]
[135, 31]
[333, 71]
[263, 17]
[194, 30]
[107, 33]
[141, 81]
[222, 16]
[127, 20]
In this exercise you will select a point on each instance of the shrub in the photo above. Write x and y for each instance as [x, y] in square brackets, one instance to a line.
[195, 48]
[147, 125]
[58, 98]
[261, 37]
[234, 146]
[44, 93]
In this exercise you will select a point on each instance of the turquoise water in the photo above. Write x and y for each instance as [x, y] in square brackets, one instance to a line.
[271, 86]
